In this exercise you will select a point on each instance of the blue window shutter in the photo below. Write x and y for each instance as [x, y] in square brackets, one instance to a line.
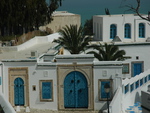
[103, 93]
[46, 90]
[141, 30]
[127, 31]
[113, 31]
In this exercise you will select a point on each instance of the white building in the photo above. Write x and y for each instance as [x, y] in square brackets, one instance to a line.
[60, 20]
[127, 28]
[32, 79]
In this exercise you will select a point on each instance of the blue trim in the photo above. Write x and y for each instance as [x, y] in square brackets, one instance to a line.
[136, 84]
[127, 31]
[141, 82]
[131, 87]
[145, 79]
[113, 31]
[141, 30]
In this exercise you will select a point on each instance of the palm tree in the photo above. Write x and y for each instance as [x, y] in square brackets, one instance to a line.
[72, 39]
[108, 52]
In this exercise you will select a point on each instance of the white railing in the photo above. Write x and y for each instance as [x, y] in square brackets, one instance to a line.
[131, 89]
[115, 105]
[6, 106]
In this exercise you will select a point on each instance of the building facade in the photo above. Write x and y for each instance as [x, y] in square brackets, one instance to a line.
[123, 28]
[60, 20]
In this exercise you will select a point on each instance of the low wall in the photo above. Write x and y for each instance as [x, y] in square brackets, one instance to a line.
[116, 102]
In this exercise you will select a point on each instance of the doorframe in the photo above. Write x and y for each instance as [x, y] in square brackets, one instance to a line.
[18, 73]
[63, 71]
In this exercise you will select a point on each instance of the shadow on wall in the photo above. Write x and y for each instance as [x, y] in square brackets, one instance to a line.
[137, 97]
[104, 107]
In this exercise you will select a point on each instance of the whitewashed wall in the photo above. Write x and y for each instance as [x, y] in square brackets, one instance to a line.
[39, 74]
[101, 27]
[35, 73]
[133, 50]
[113, 69]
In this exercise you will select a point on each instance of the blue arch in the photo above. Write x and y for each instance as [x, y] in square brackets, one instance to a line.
[113, 31]
[75, 90]
[141, 30]
[127, 31]
[19, 91]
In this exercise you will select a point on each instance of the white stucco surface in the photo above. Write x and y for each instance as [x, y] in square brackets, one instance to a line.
[101, 27]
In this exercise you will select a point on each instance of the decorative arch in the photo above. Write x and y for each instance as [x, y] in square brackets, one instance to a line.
[18, 92]
[113, 31]
[86, 72]
[127, 31]
[75, 90]
[141, 30]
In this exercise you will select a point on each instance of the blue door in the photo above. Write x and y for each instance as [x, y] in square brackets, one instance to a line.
[137, 69]
[75, 90]
[19, 92]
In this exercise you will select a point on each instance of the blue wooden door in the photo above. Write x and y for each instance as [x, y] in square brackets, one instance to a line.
[19, 91]
[137, 68]
[75, 91]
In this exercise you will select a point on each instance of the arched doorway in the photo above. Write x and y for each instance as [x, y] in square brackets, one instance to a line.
[75, 90]
[18, 92]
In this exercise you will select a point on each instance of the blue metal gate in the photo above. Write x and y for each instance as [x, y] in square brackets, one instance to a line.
[75, 90]
[19, 91]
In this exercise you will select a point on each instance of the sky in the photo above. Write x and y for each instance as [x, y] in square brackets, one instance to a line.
[88, 8]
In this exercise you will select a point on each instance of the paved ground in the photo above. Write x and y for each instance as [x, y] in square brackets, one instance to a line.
[51, 111]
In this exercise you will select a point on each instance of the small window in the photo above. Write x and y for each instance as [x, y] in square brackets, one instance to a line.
[145, 79]
[126, 88]
[46, 90]
[136, 84]
[102, 94]
[113, 31]
[127, 31]
[141, 82]
[125, 69]
[131, 87]
[141, 30]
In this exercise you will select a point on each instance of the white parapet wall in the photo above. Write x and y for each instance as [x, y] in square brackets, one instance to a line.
[38, 39]
[131, 89]
[7, 108]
